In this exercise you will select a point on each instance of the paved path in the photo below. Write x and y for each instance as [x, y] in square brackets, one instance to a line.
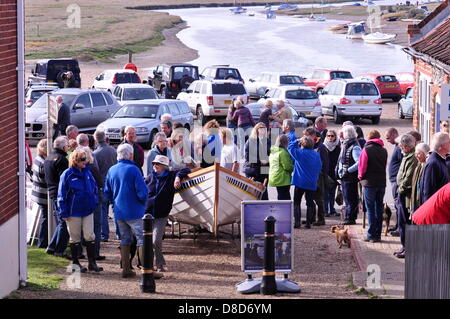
[378, 257]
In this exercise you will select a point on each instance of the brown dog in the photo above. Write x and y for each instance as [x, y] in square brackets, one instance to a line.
[387, 213]
[342, 236]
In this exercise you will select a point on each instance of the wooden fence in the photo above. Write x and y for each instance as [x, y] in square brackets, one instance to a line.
[427, 264]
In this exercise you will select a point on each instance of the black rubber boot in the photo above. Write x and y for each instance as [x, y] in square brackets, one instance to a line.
[90, 248]
[74, 249]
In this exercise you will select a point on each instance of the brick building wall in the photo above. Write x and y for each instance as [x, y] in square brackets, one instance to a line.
[9, 187]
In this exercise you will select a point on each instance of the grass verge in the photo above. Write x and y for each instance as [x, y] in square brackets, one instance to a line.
[42, 268]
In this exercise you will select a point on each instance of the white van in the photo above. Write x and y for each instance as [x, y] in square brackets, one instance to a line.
[211, 99]
[346, 99]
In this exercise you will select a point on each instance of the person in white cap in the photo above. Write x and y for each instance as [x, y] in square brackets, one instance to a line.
[162, 185]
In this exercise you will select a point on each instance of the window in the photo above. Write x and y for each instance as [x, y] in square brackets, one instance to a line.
[127, 78]
[139, 94]
[301, 95]
[139, 111]
[338, 88]
[180, 71]
[361, 89]
[387, 78]
[108, 98]
[97, 99]
[183, 107]
[291, 79]
[340, 75]
[197, 87]
[270, 93]
[173, 109]
[276, 94]
[330, 88]
[228, 88]
[85, 100]
[228, 73]
[117, 92]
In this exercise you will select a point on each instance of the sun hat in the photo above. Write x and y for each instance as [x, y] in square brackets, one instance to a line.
[161, 159]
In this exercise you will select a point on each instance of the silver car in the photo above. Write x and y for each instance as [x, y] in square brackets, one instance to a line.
[88, 108]
[405, 106]
[131, 92]
[145, 116]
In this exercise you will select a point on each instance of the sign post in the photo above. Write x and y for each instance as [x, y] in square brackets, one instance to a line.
[253, 214]
[52, 118]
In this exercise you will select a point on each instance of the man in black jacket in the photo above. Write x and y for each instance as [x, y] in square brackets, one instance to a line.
[54, 166]
[162, 185]
[63, 118]
[435, 172]
[138, 152]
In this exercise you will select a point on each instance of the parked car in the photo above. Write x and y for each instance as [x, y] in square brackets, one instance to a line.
[406, 105]
[321, 77]
[259, 86]
[133, 92]
[406, 81]
[211, 99]
[109, 79]
[351, 99]
[88, 109]
[34, 92]
[300, 120]
[51, 71]
[302, 99]
[169, 79]
[221, 72]
[145, 116]
[388, 85]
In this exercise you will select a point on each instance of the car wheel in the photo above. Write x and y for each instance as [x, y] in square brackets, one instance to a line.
[396, 99]
[400, 112]
[319, 91]
[337, 118]
[375, 120]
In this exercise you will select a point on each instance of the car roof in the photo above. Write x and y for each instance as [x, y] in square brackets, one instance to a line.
[178, 64]
[119, 71]
[281, 73]
[353, 80]
[60, 59]
[154, 101]
[377, 74]
[43, 87]
[134, 85]
[294, 87]
[331, 70]
[75, 91]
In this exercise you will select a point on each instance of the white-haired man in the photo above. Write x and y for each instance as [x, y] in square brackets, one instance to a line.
[125, 188]
[348, 173]
[435, 172]
[131, 139]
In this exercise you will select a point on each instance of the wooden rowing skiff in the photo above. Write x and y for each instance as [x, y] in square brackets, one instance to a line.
[211, 197]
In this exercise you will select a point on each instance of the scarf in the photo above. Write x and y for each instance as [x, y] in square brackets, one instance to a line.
[331, 145]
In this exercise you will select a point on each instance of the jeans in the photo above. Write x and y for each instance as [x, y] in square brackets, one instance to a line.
[403, 219]
[159, 226]
[98, 223]
[319, 199]
[131, 227]
[350, 194]
[373, 199]
[60, 237]
[310, 205]
[105, 218]
[329, 198]
[284, 192]
[233, 127]
[43, 229]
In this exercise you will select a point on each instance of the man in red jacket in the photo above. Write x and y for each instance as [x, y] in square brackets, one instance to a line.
[435, 210]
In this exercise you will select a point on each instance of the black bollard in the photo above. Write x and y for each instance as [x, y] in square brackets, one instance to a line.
[148, 282]
[268, 283]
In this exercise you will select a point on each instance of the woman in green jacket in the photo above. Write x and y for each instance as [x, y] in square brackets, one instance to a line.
[281, 168]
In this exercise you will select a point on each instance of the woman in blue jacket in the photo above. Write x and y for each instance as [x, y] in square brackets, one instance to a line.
[307, 166]
[77, 200]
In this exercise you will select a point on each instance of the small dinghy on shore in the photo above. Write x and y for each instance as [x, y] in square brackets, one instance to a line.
[211, 197]
[378, 38]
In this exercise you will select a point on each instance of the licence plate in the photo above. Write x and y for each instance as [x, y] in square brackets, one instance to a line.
[362, 101]
[389, 86]
[114, 136]
[227, 102]
[307, 113]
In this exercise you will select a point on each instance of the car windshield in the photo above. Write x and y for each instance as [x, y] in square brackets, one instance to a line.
[42, 103]
[223, 74]
[290, 79]
[139, 94]
[341, 75]
[387, 78]
[139, 111]
[37, 94]
[180, 71]
[66, 65]
[127, 78]
[228, 88]
[361, 89]
[301, 95]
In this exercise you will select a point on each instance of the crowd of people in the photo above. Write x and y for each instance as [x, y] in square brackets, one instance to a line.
[84, 176]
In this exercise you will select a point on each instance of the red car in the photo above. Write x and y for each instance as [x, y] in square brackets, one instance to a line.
[406, 80]
[388, 85]
[320, 78]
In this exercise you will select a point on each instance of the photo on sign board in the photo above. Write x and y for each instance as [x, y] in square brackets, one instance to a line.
[253, 228]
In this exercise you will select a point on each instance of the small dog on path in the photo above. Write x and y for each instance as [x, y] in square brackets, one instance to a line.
[342, 236]
[387, 213]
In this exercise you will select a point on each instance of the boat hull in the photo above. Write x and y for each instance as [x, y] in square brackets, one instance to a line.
[212, 197]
